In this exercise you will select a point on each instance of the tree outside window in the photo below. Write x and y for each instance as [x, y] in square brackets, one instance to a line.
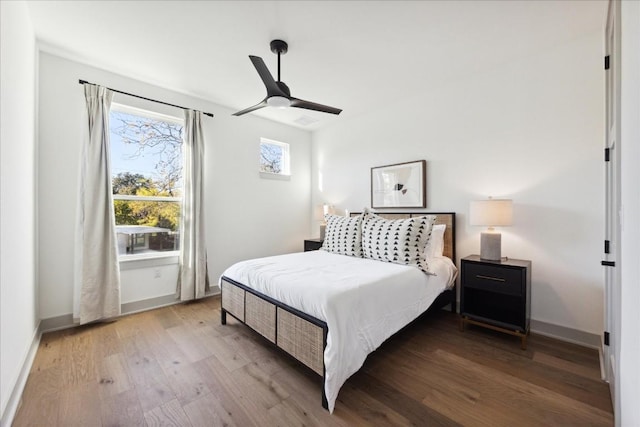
[274, 157]
[146, 154]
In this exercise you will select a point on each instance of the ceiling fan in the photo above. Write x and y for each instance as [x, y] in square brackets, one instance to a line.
[278, 93]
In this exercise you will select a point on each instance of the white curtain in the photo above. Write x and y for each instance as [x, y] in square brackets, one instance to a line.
[193, 281]
[97, 273]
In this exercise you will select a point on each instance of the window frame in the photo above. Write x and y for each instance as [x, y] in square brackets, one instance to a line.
[128, 109]
[141, 112]
[285, 159]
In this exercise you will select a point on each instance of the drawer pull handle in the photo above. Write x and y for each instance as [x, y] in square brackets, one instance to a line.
[497, 279]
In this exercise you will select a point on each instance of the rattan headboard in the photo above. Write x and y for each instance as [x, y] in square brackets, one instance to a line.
[448, 218]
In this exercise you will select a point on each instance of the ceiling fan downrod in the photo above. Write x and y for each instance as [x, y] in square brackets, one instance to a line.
[279, 47]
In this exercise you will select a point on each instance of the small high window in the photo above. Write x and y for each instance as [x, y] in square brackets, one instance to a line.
[274, 157]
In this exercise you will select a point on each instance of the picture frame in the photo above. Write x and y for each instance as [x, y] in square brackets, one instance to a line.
[401, 185]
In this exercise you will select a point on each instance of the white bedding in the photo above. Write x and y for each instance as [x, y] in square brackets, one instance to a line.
[362, 301]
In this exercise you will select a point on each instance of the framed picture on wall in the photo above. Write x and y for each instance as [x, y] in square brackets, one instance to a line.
[403, 185]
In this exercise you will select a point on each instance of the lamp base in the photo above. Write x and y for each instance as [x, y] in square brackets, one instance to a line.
[323, 227]
[491, 246]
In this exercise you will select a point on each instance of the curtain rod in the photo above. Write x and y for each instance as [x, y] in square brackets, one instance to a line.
[146, 99]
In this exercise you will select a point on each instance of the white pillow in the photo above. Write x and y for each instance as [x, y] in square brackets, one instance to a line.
[401, 241]
[435, 245]
[343, 235]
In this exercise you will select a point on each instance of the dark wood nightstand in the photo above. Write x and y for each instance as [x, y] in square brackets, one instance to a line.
[312, 244]
[496, 295]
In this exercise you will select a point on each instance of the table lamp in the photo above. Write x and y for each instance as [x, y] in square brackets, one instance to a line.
[326, 210]
[491, 213]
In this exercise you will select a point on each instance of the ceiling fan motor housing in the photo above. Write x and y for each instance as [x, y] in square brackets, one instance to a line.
[284, 88]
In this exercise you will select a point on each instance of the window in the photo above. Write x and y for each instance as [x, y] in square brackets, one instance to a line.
[274, 157]
[146, 172]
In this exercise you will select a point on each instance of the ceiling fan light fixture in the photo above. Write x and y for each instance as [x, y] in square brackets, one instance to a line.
[279, 102]
[278, 93]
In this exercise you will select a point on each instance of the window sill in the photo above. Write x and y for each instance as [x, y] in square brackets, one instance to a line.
[133, 262]
[276, 176]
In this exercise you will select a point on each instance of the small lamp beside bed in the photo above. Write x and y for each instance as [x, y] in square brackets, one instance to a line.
[491, 213]
[326, 210]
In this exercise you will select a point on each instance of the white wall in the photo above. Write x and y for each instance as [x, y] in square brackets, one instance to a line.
[18, 293]
[246, 216]
[144, 280]
[530, 130]
[628, 372]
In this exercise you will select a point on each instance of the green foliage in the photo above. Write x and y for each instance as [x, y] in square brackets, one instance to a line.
[124, 213]
[143, 212]
[130, 183]
[156, 214]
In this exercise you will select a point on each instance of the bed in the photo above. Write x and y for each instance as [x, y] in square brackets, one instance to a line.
[329, 310]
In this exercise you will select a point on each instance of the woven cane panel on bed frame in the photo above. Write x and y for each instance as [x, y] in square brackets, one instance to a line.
[301, 339]
[261, 316]
[233, 300]
[448, 235]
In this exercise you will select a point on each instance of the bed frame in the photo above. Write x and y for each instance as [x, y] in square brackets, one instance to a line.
[302, 336]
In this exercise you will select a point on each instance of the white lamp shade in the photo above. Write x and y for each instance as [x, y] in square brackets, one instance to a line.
[492, 212]
[321, 210]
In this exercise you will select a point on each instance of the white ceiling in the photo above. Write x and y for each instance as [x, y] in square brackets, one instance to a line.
[354, 55]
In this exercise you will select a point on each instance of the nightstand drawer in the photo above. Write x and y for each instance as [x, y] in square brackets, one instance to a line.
[499, 279]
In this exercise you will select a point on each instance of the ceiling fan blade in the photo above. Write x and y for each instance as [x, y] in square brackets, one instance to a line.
[300, 103]
[272, 88]
[262, 104]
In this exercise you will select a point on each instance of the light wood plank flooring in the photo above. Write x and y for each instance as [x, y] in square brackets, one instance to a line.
[178, 366]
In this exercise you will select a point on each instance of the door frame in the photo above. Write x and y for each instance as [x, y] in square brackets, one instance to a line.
[612, 195]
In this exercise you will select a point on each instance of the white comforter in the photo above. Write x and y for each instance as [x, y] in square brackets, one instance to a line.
[362, 301]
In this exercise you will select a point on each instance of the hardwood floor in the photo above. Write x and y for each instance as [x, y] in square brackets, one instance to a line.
[178, 366]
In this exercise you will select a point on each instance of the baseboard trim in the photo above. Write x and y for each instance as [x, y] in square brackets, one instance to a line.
[66, 320]
[56, 323]
[16, 394]
[148, 304]
[603, 373]
[158, 302]
[563, 333]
